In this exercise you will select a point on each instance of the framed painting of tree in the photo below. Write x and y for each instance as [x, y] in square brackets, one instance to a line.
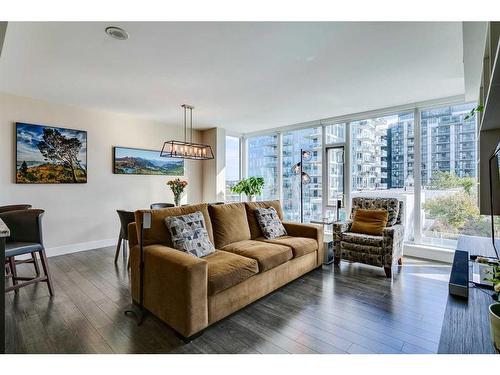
[50, 155]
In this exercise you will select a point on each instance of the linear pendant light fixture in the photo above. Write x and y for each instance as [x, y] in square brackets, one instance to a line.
[187, 150]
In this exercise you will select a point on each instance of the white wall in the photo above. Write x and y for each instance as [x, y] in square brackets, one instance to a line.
[214, 177]
[83, 216]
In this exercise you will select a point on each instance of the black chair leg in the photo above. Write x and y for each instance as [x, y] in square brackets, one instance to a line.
[13, 271]
[118, 246]
[45, 266]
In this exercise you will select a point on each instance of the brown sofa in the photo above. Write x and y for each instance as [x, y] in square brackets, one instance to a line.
[190, 293]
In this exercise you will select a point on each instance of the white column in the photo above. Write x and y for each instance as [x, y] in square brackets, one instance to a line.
[244, 157]
[347, 169]
[417, 176]
[280, 167]
[324, 172]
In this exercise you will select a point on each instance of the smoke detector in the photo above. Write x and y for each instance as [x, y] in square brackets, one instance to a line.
[117, 33]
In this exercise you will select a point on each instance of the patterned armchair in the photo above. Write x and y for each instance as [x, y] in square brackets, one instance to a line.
[380, 251]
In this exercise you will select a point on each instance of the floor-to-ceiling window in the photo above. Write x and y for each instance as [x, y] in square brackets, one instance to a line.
[449, 151]
[233, 172]
[262, 161]
[310, 140]
[382, 153]
[382, 160]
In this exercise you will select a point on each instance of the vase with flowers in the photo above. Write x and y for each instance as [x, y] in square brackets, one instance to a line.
[177, 186]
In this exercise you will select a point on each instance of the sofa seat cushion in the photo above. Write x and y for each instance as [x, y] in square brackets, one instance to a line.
[226, 269]
[267, 255]
[362, 239]
[300, 245]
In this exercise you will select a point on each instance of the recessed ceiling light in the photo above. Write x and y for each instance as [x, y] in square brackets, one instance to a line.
[117, 33]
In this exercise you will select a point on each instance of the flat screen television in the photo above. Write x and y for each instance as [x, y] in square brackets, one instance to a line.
[494, 176]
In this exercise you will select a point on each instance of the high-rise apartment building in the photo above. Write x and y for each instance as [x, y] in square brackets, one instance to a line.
[382, 155]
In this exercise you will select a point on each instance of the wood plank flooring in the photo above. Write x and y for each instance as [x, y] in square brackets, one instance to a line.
[348, 309]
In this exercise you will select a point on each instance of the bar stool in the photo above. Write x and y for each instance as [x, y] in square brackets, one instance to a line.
[19, 207]
[126, 217]
[25, 238]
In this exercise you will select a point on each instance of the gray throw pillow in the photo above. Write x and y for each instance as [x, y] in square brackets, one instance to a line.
[270, 223]
[189, 234]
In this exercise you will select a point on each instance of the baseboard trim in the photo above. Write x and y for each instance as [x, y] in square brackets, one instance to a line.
[82, 246]
[429, 252]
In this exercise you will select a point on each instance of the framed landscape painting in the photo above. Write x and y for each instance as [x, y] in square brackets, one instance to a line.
[50, 155]
[145, 162]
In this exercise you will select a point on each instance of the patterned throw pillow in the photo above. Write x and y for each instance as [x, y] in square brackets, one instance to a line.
[270, 223]
[189, 234]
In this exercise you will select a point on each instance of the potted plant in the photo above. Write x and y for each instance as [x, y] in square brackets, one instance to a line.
[251, 187]
[177, 186]
[494, 309]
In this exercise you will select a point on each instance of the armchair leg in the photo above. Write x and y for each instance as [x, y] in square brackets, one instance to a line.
[400, 261]
[388, 271]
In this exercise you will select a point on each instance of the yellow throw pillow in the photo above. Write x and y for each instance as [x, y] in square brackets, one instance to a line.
[369, 221]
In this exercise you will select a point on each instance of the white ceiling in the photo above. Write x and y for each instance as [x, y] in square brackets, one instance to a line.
[244, 77]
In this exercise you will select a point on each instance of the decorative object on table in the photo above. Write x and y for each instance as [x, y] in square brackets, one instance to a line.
[185, 149]
[270, 224]
[251, 187]
[25, 239]
[189, 234]
[494, 278]
[494, 178]
[494, 310]
[138, 311]
[298, 169]
[50, 155]
[156, 206]
[177, 186]
[128, 160]
[381, 251]
[126, 217]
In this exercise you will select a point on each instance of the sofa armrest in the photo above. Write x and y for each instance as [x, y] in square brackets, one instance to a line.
[175, 287]
[309, 231]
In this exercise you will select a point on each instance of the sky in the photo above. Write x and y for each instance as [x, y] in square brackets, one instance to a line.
[28, 136]
[232, 159]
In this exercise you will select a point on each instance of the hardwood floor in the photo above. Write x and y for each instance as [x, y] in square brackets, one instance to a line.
[348, 309]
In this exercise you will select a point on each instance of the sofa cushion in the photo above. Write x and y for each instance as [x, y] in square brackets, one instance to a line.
[226, 269]
[362, 239]
[229, 222]
[371, 222]
[252, 220]
[300, 245]
[267, 255]
[270, 224]
[158, 234]
[189, 234]
[391, 205]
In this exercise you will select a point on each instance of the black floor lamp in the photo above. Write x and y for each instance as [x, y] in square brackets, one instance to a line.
[138, 311]
[298, 168]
